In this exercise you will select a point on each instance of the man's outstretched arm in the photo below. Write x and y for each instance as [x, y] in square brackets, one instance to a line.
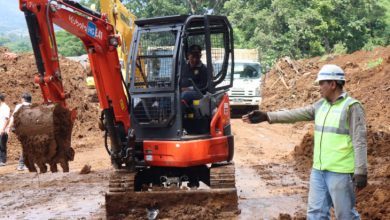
[294, 115]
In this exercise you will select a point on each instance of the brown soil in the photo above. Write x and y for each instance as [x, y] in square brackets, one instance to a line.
[18, 77]
[370, 85]
[200, 204]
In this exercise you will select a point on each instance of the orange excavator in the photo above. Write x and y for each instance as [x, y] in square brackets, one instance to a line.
[164, 151]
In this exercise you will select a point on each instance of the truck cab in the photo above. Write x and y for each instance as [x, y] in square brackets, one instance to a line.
[245, 95]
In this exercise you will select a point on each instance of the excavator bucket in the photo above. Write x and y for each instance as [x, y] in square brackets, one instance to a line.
[45, 134]
[218, 200]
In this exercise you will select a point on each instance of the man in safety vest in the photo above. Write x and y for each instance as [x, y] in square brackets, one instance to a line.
[340, 145]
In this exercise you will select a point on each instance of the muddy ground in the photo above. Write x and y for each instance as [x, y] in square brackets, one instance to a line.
[272, 161]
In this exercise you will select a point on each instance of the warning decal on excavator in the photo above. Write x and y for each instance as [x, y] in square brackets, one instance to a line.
[149, 157]
[122, 104]
[226, 108]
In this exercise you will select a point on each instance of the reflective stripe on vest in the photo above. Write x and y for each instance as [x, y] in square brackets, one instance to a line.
[333, 150]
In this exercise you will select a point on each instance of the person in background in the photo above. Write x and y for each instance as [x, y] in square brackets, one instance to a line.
[4, 120]
[25, 101]
[340, 145]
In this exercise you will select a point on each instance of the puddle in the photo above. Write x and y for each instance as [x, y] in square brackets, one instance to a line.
[67, 197]
[257, 201]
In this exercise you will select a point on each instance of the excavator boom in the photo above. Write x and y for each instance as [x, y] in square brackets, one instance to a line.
[100, 41]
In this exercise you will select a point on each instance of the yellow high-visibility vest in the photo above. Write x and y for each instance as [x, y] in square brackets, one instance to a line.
[333, 150]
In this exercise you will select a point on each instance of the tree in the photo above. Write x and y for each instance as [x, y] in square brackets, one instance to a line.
[304, 28]
[155, 8]
[20, 45]
[4, 40]
[68, 44]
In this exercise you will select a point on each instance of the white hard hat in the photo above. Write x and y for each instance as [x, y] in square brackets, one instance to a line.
[330, 72]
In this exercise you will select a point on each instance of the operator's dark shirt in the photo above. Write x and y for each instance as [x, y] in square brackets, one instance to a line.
[198, 74]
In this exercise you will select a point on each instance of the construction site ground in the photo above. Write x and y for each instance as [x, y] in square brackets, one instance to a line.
[272, 161]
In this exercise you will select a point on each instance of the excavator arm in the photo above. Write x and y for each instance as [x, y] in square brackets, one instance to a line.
[100, 41]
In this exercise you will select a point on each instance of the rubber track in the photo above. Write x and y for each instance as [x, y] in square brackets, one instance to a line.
[222, 177]
[121, 181]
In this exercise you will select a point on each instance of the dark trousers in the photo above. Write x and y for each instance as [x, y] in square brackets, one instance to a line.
[189, 96]
[3, 147]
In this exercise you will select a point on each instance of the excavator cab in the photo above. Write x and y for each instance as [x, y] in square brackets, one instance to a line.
[158, 66]
[160, 119]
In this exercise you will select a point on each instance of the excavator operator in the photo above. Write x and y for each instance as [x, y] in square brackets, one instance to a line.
[196, 71]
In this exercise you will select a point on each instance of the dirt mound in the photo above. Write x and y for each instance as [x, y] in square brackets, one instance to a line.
[374, 202]
[372, 207]
[303, 154]
[290, 84]
[18, 74]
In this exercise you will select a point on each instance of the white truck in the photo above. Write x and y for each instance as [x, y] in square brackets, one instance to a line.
[245, 95]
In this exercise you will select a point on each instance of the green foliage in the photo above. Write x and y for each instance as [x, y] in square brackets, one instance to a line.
[4, 40]
[295, 28]
[156, 8]
[305, 28]
[68, 44]
[340, 48]
[15, 43]
[19, 46]
[326, 57]
[374, 63]
[316, 48]
[373, 43]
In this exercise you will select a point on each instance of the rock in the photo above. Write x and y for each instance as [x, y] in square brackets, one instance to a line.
[86, 169]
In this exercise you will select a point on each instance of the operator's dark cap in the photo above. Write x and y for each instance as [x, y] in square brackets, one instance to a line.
[195, 49]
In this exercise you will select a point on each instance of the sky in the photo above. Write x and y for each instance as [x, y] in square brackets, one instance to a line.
[11, 18]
